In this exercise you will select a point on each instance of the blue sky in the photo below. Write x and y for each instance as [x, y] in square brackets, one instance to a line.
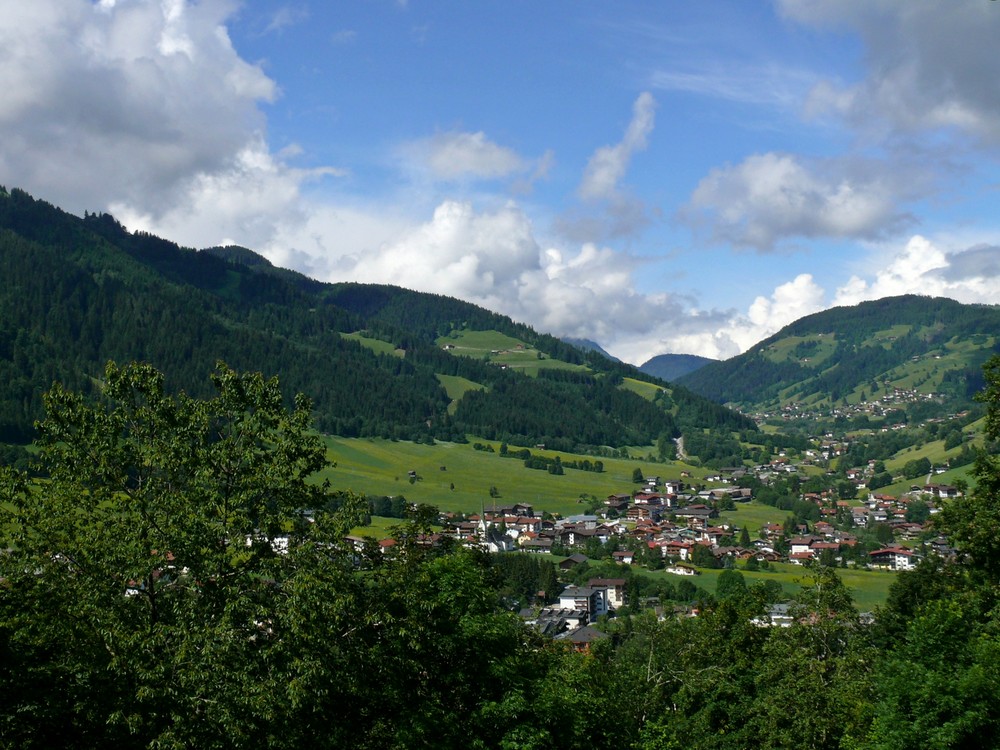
[658, 177]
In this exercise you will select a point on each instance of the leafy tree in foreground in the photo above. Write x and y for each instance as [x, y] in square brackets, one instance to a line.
[936, 687]
[145, 598]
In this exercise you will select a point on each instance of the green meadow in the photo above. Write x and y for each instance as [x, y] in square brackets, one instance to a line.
[502, 349]
[869, 589]
[376, 345]
[456, 477]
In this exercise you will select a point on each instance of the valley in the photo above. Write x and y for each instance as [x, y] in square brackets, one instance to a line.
[351, 495]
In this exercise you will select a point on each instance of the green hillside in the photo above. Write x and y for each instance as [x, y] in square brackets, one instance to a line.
[915, 355]
[81, 291]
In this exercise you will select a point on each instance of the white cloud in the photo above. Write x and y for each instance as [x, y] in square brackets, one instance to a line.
[123, 103]
[250, 202]
[772, 197]
[721, 334]
[285, 17]
[921, 267]
[607, 166]
[458, 155]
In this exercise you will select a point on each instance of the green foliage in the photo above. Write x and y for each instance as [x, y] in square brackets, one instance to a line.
[730, 583]
[179, 581]
[918, 467]
[972, 521]
[148, 562]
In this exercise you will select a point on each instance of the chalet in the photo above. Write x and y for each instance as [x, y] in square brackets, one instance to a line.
[572, 561]
[552, 621]
[683, 570]
[581, 637]
[801, 558]
[893, 558]
[644, 512]
[712, 535]
[823, 528]
[771, 530]
[356, 542]
[649, 498]
[802, 543]
[618, 503]
[820, 547]
[540, 545]
[777, 616]
[696, 516]
[625, 557]
[680, 550]
[941, 490]
[517, 509]
[581, 520]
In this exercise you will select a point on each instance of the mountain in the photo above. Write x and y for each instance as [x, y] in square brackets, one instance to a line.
[671, 367]
[590, 346]
[918, 355]
[376, 360]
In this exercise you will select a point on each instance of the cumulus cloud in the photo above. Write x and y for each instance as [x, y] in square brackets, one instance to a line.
[458, 155]
[250, 201]
[771, 197]
[144, 108]
[929, 66]
[123, 102]
[721, 334]
[971, 275]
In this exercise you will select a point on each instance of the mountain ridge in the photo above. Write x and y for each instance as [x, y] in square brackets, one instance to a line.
[930, 347]
[82, 291]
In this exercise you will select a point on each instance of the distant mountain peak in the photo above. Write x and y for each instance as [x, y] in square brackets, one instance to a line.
[670, 367]
[589, 346]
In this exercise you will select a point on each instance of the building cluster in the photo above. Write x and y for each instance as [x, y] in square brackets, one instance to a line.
[680, 525]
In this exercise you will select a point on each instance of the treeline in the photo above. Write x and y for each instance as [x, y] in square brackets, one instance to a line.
[552, 464]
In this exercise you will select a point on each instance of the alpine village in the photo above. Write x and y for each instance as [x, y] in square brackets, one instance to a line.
[243, 508]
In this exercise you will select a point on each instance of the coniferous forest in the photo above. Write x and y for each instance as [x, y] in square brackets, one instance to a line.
[82, 292]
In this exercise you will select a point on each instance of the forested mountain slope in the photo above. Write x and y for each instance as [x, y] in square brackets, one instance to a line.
[81, 291]
[671, 367]
[921, 353]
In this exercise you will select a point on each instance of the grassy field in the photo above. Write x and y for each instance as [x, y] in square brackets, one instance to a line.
[381, 467]
[456, 387]
[821, 348]
[376, 345]
[646, 390]
[870, 589]
[502, 350]
[380, 527]
[753, 515]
